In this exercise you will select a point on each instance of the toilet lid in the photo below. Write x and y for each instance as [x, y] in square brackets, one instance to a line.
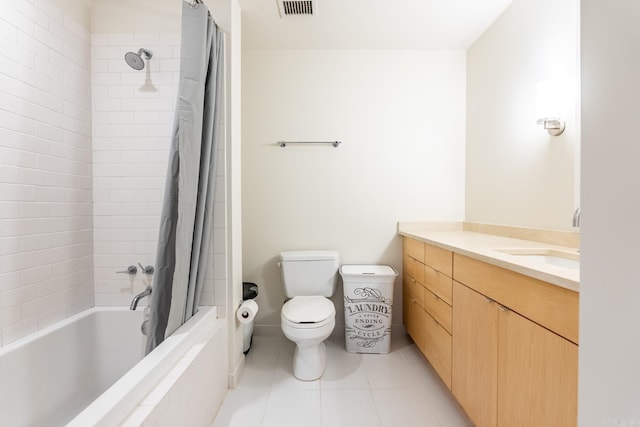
[308, 309]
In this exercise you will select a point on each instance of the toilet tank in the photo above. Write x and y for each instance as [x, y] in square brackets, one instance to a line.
[309, 273]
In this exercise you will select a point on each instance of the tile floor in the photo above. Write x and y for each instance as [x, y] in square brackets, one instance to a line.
[396, 390]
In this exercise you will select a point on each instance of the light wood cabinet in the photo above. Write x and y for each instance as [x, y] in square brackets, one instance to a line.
[414, 249]
[504, 343]
[475, 355]
[438, 283]
[510, 371]
[554, 307]
[438, 258]
[427, 297]
[438, 309]
[415, 318]
[537, 375]
[437, 348]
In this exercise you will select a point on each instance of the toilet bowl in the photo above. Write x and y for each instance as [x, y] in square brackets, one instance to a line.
[308, 321]
[308, 317]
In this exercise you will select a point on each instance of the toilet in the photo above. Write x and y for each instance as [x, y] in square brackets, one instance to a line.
[308, 317]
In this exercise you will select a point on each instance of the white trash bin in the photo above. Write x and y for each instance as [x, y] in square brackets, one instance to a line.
[368, 304]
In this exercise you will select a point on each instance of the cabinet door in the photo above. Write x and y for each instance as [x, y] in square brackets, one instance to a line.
[538, 375]
[475, 355]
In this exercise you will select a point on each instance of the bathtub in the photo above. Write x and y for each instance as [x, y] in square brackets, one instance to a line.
[89, 370]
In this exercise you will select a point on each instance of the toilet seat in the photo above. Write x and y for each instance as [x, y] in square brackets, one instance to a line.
[308, 312]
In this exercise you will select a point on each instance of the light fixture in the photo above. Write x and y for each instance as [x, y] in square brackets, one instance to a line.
[551, 100]
[553, 125]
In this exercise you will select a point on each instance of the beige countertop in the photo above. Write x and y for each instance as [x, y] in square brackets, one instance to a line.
[493, 248]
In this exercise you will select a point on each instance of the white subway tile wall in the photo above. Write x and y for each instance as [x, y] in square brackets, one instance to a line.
[46, 230]
[133, 115]
[84, 142]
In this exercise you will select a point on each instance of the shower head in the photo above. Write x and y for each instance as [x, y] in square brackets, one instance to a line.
[136, 60]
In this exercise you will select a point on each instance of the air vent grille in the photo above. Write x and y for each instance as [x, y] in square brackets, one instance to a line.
[297, 8]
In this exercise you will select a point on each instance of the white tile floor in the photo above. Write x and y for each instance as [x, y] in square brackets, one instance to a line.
[396, 390]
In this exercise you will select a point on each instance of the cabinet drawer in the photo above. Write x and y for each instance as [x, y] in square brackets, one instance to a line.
[414, 269]
[554, 307]
[415, 320]
[414, 248]
[439, 284]
[414, 290]
[438, 309]
[438, 348]
[439, 259]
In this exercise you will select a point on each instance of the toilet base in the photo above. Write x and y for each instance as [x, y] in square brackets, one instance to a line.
[309, 361]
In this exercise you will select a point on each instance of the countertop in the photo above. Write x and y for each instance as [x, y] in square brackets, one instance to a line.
[487, 248]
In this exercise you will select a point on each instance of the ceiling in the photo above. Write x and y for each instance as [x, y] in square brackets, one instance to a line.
[370, 24]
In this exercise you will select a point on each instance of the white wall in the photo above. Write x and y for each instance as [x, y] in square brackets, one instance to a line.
[139, 16]
[610, 296]
[45, 167]
[233, 63]
[516, 173]
[400, 116]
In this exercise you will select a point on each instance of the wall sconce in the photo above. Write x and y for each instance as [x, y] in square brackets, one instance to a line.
[553, 125]
[551, 99]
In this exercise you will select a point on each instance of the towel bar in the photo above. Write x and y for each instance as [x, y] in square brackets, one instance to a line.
[334, 143]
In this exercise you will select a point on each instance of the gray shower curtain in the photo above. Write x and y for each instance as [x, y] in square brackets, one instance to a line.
[187, 213]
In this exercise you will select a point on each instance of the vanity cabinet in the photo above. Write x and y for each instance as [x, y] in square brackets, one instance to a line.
[507, 369]
[427, 297]
[537, 375]
[475, 355]
[504, 343]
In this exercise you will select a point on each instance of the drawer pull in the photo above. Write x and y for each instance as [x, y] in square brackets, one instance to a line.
[413, 280]
[487, 299]
[503, 308]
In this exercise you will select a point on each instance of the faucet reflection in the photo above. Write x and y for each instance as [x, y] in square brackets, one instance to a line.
[576, 218]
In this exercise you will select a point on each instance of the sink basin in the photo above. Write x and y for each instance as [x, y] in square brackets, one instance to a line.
[557, 258]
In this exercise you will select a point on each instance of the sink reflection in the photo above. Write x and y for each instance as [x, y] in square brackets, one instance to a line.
[564, 259]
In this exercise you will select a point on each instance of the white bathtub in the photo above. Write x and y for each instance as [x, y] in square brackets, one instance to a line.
[88, 370]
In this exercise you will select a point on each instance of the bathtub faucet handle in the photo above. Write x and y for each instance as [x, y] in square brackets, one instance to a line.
[132, 269]
[147, 269]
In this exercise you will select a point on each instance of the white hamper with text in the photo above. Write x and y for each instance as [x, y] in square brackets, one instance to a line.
[368, 306]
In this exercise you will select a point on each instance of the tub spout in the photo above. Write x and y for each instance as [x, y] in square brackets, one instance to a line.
[576, 218]
[137, 298]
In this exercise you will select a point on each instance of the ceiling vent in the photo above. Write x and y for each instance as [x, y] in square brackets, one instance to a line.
[297, 8]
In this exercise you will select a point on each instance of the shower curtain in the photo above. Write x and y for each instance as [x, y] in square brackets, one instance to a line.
[187, 213]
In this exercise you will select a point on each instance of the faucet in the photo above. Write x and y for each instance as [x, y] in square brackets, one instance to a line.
[134, 303]
[576, 218]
